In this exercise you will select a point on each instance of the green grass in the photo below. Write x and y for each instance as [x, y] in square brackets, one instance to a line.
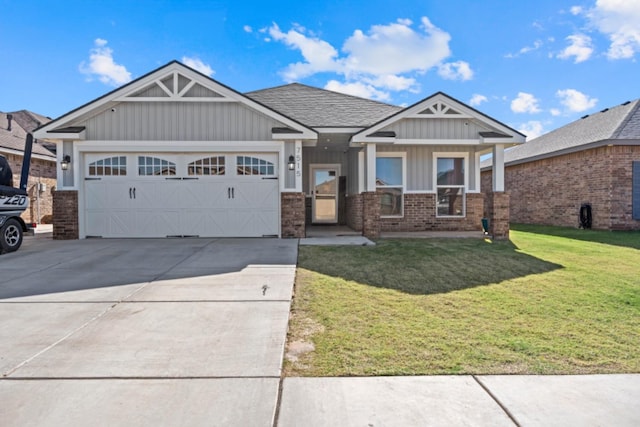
[551, 301]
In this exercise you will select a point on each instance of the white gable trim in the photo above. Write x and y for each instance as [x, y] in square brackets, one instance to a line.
[440, 106]
[171, 70]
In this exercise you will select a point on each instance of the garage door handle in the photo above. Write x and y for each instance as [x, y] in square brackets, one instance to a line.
[233, 193]
[130, 193]
[134, 192]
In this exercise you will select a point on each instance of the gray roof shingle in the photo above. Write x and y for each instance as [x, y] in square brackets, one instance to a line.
[15, 138]
[316, 107]
[617, 123]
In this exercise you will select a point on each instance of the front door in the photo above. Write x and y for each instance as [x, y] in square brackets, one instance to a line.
[324, 181]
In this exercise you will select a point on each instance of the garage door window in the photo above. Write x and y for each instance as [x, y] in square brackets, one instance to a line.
[154, 166]
[207, 166]
[111, 166]
[254, 166]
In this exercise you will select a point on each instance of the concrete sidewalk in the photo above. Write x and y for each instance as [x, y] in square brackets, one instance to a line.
[596, 400]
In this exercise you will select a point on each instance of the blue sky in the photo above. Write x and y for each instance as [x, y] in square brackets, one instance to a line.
[532, 64]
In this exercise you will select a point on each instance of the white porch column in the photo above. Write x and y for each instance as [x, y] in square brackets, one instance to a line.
[371, 167]
[498, 168]
[298, 156]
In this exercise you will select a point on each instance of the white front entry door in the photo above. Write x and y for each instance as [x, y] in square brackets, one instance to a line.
[165, 195]
[324, 191]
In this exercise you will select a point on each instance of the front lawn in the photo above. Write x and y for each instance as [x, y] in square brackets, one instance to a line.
[551, 301]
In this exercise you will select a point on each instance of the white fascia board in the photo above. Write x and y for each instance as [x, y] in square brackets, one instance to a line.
[374, 140]
[337, 130]
[57, 136]
[313, 137]
[514, 140]
[437, 142]
[182, 146]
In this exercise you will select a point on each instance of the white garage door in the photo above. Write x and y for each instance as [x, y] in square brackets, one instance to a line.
[165, 195]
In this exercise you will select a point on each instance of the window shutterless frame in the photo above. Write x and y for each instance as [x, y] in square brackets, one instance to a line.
[391, 181]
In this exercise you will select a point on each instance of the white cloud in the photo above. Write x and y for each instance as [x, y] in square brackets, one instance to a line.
[247, 29]
[396, 48]
[536, 45]
[525, 103]
[375, 61]
[198, 65]
[360, 89]
[620, 21]
[459, 70]
[575, 101]
[396, 83]
[319, 55]
[532, 129]
[477, 99]
[102, 65]
[576, 10]
[580, 47]
[555, 112]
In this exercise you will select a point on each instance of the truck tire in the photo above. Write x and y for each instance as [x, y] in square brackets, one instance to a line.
[10, 236]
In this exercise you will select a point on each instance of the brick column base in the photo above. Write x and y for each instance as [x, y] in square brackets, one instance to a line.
[65, 215]
[292, 209]
[498, 213]
[371, 215]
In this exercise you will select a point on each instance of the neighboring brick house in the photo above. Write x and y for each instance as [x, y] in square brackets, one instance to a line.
[176, 153]
[594, 160]
[42, 171]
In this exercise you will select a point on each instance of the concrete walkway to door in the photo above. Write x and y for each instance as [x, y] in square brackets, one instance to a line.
[144, 332]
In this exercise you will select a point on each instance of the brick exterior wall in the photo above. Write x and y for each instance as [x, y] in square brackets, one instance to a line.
[65, 215]
[498, 214]
[41, 202]
[371, 214]
[292, 213]
[420, 215]
[551, 191]
[363, 214]
[354, 211]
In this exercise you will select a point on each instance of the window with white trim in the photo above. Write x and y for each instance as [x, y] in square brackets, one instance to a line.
[110, 166]
[390, 183]
[254, 166]
[154, 166]
[207, 166]
[450, 185]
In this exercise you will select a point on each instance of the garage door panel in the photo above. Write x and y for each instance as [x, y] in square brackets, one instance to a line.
[207, 195]
[259, 194]
[155, 223]
[207, 222]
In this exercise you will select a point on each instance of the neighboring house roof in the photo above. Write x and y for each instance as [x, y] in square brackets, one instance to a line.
[617, 125]
[321, 108]
[13, 140]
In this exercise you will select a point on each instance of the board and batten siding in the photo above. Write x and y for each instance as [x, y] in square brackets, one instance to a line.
[436, 129]
[180, 121]
[420, 164]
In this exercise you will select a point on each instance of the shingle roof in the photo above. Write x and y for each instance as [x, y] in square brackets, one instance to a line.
[618, 123]
[15, 138]
[316, 107]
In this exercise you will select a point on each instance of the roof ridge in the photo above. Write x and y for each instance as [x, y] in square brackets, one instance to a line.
[324, 90]
[627, 118]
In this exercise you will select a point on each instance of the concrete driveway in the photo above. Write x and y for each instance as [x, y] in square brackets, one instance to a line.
[143, 332]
